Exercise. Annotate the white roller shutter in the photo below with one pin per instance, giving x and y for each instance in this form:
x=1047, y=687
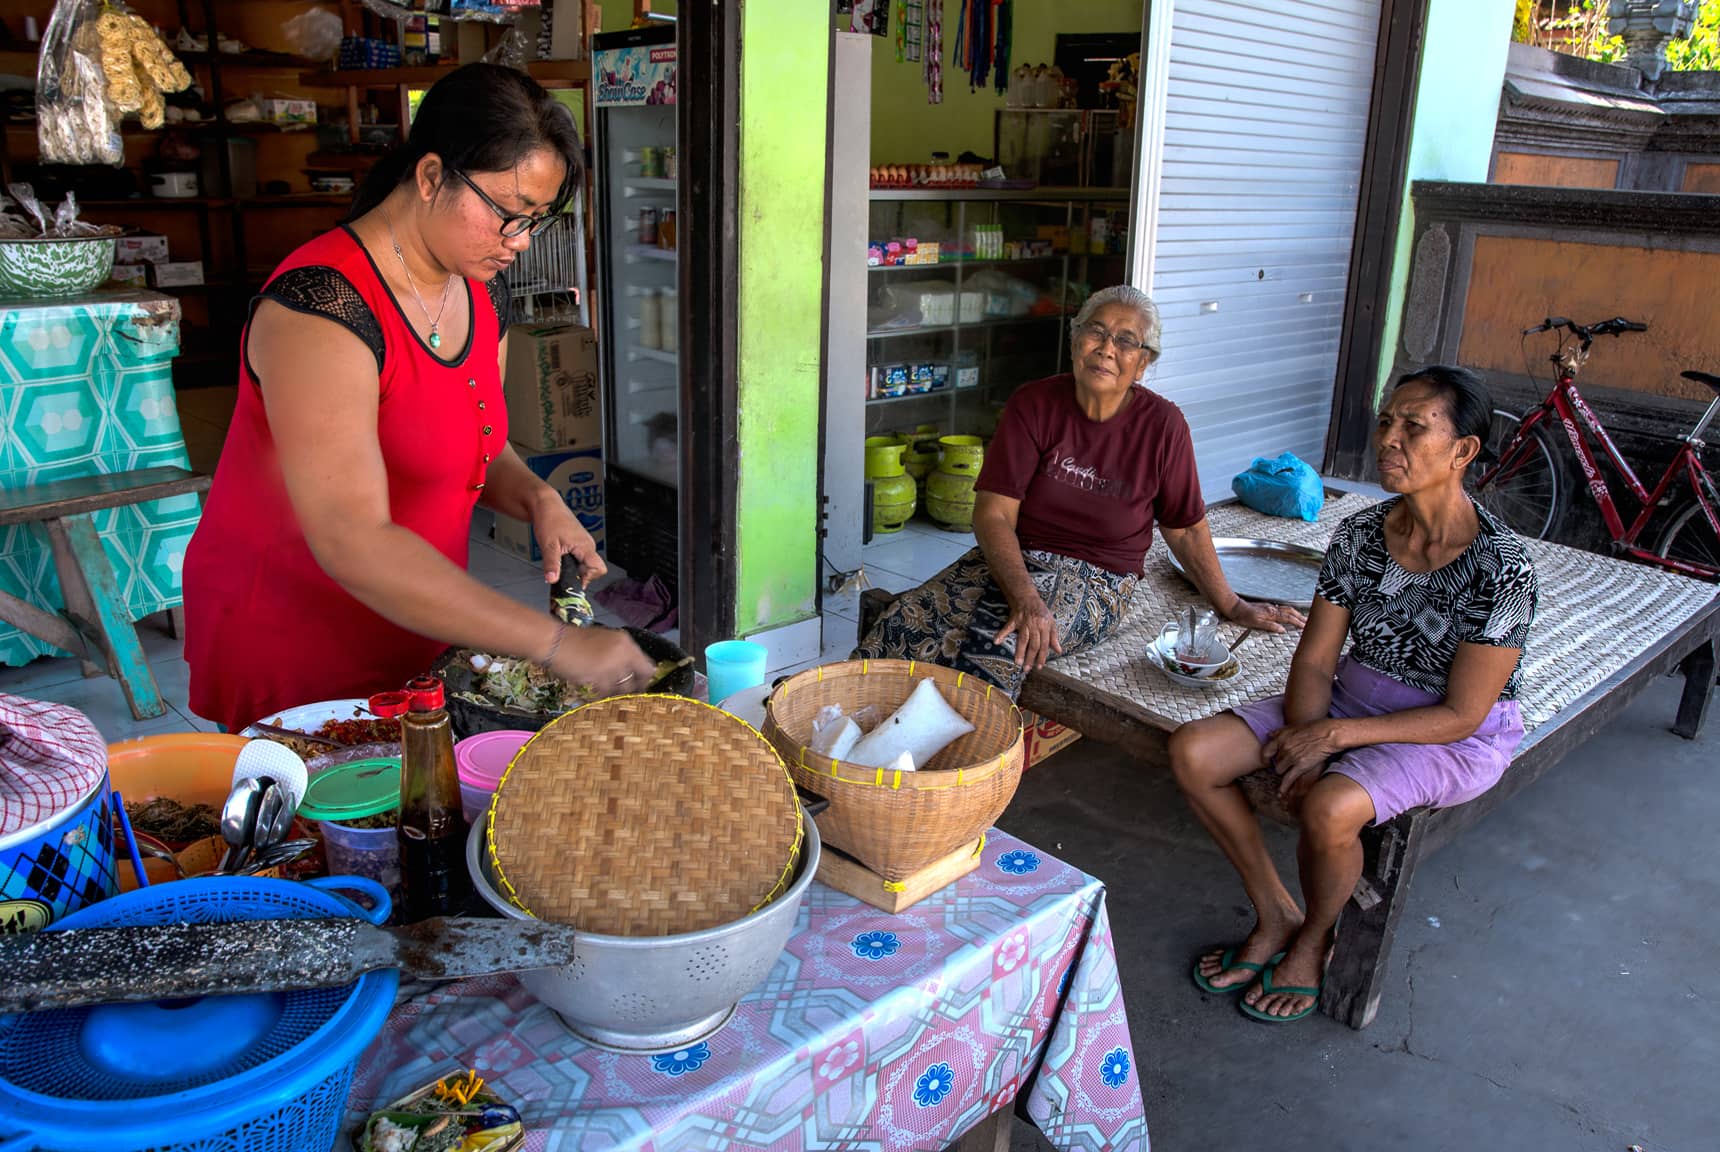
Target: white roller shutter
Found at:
x=1264, y=119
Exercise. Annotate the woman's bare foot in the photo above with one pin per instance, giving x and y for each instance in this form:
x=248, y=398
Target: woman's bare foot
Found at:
x=1271, y=935
x=1303, y=966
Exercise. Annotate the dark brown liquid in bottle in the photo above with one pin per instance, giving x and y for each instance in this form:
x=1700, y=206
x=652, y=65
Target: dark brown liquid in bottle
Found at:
x=432, y=828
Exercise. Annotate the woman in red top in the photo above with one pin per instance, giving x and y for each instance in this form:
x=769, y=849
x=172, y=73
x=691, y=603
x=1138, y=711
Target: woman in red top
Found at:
x=331, y=558
x=1080, y=469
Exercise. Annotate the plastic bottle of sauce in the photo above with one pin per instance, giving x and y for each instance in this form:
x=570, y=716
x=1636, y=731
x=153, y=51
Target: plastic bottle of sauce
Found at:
x=432, y=828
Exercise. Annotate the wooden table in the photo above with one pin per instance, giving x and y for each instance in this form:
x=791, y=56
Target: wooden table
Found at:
x=86, y=385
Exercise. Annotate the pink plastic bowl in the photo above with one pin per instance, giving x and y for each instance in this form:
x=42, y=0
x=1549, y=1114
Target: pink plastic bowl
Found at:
x=481, y=760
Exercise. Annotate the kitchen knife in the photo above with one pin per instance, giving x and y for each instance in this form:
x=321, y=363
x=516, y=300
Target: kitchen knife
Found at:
x=76, y=966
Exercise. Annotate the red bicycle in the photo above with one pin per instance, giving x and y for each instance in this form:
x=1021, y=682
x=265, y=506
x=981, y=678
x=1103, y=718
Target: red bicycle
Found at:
x=1526, y=488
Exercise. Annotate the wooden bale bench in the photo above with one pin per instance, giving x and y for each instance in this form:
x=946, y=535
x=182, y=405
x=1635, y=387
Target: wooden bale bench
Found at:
x=95, y=625
x=1604, y=631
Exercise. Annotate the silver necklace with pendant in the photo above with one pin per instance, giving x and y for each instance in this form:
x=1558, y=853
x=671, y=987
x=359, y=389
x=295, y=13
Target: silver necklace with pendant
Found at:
x=436, y=320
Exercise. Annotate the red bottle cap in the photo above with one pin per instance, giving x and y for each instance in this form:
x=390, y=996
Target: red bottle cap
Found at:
x=426, y=693
x=390, y=705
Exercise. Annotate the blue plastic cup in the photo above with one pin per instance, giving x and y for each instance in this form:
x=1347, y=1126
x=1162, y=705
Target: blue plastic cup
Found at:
x=732, y=666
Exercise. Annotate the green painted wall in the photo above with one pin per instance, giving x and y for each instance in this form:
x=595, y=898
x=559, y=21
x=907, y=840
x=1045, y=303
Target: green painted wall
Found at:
x=906, y=130
x=1456, y=109
x=784, y=95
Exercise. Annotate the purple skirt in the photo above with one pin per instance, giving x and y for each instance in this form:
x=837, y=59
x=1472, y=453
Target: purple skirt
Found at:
x=1398, y=777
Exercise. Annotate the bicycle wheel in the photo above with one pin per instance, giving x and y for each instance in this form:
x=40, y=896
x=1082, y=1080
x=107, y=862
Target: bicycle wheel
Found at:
x=1530, y=499
x=1689, y=537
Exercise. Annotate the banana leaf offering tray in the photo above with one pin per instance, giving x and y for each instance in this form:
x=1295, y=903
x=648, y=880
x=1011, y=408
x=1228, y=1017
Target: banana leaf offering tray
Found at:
x=454, y=1114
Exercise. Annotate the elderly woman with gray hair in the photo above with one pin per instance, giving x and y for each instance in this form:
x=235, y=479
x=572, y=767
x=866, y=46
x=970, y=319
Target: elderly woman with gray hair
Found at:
x=1081, y=468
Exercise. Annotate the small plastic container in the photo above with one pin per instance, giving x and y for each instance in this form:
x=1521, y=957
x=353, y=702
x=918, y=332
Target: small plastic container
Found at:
x=480, y=760
x=356, y=791
x=733, y=665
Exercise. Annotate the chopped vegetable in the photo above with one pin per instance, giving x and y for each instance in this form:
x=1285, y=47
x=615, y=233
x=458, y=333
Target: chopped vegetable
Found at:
x=173, y=822
x=522, y=686
x=525, y=687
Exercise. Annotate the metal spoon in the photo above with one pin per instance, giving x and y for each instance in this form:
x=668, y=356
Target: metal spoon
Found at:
x=279, y=854
x=239, y=820
x=273, y=817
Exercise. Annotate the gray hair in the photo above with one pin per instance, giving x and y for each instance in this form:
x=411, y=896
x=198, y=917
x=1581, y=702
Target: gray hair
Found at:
x=1134, y=298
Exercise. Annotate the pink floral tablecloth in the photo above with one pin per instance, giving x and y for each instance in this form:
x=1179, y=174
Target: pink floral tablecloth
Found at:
x=872, y=1032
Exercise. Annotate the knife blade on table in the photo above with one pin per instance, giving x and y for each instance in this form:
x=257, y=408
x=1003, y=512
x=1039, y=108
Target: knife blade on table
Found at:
x=78, y=966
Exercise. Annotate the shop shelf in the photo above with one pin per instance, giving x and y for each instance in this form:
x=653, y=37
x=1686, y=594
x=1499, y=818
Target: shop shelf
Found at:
x=928, y=329
x=652, y=184
x=155, y=203
x=1047, y=195
x=566, y=71
x=353, y=161
x=935, y=394
x=640, y=353
x=966, y=263
x=649, y=252
x=249, y=59
x=298, y=200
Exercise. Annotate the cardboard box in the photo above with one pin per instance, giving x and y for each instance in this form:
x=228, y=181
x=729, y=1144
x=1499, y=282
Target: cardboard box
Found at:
x=280, y=110
x=1041, y=737
x=578, y=476
x=551, y=387
x=129, y=275
x=177, y=274
x=140, y=250
x=567, y=31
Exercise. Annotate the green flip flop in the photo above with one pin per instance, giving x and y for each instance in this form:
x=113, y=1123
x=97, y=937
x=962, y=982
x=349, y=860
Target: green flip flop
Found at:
x=1229, y=961
x=1266, y=986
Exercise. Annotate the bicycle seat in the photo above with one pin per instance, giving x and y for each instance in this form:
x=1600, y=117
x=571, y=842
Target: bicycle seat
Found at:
x=1703, y=378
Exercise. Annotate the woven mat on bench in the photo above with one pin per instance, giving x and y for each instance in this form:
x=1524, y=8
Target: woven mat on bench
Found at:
x=1596, y=615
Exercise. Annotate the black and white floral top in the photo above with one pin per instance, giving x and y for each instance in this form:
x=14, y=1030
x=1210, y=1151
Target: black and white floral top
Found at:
x=1408, y=625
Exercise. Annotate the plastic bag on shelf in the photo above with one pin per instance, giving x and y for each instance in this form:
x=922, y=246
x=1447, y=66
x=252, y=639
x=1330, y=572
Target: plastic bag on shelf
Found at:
x=99, y=61
x=314, y=34
x=1005, y=295
x=76, y=122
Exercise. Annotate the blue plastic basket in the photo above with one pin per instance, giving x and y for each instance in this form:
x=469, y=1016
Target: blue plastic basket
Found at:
x=256, y=1073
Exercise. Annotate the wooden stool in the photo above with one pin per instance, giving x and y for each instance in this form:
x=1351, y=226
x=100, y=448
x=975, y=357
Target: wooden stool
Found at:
x=95, y=624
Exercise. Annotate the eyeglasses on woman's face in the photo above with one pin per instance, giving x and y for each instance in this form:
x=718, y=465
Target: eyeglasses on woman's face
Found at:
x=1094, y=335
x=513, y=223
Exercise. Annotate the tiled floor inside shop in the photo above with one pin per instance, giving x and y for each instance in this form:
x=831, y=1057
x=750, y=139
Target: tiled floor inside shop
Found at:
x=896, y=562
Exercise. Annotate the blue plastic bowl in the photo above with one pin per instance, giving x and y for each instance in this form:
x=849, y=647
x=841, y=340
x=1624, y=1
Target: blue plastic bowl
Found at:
x=267, y=1072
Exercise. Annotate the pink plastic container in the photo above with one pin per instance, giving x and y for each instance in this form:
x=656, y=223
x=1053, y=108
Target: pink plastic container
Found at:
x=480, y=761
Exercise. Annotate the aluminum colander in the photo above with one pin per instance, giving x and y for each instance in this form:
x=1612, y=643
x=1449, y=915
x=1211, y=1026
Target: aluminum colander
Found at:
x=649, y=994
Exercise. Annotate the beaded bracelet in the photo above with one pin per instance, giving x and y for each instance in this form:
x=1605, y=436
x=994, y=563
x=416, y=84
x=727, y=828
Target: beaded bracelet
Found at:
x=554, y=647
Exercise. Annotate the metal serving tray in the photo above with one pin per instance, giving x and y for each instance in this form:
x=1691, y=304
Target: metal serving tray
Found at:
x=1266, y=569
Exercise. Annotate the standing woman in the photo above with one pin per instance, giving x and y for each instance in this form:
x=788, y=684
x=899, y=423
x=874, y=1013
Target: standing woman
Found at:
x=331, y=558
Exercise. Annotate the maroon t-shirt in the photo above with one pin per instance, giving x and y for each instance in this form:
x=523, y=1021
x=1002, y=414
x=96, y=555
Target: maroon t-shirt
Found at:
x=1087, y=489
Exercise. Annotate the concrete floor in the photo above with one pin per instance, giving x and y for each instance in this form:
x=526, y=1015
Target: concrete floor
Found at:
x=1551, y=986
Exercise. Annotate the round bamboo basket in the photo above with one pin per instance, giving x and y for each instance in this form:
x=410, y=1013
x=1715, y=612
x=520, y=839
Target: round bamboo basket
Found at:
x=645, y=816
x=896, y=823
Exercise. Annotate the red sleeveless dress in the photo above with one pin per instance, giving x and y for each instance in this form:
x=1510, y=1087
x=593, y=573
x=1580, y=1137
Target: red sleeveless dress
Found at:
x=265, y=628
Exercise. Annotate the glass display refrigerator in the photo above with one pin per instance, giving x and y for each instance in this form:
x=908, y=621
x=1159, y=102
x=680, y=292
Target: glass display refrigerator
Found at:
x=636, y=179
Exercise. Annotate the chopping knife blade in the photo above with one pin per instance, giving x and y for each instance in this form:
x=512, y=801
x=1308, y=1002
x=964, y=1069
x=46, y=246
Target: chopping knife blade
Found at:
x=77, y=966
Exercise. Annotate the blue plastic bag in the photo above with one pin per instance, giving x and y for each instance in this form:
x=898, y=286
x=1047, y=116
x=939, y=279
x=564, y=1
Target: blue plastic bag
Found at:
x=1286, y=486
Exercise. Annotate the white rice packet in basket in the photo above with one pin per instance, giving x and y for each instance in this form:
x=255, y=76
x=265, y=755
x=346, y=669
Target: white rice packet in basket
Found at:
x=922, y=727
x=833, y=734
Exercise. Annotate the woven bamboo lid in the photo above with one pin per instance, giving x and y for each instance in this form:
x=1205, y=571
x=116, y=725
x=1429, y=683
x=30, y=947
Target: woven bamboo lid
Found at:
x=645, y=816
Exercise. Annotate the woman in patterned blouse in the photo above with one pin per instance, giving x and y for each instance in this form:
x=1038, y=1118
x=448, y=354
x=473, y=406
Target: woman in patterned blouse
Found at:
x=1436, y=598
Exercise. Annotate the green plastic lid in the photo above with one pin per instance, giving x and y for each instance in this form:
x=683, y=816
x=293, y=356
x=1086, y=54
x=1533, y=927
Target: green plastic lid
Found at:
x=353, y=791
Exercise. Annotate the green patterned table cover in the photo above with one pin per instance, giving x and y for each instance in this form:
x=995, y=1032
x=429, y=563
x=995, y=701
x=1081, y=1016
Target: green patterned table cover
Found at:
x=86, y=387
